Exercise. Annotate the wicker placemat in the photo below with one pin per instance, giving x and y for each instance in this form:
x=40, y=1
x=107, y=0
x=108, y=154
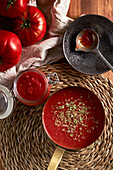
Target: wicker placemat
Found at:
x=25, y=146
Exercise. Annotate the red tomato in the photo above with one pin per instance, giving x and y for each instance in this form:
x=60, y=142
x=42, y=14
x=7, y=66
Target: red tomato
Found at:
x=30, y=26
x=10, y=50
x=12, y=8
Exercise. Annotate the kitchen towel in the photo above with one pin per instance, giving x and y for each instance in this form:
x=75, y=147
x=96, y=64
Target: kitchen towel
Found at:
x=48, y=50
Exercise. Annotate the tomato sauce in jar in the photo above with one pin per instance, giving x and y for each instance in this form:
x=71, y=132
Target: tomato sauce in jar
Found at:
x=31, y=87
x=73, y=118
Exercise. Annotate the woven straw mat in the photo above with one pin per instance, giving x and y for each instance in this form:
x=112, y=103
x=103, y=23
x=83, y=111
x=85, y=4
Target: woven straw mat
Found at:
x=24, y=144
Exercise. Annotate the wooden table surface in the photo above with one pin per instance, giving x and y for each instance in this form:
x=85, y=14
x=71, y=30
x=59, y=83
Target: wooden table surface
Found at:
x=100, y=7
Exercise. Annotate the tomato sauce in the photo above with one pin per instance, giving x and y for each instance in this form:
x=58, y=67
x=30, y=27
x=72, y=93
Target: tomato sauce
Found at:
x=73, y=118
x=87, y=38
x=32, y=85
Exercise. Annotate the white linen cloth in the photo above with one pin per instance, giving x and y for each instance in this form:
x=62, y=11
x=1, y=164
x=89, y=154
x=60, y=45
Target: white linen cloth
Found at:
x=49, y=50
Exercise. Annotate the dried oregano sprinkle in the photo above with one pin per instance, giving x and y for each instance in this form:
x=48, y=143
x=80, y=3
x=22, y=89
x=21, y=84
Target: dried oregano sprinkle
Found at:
x=70, y=114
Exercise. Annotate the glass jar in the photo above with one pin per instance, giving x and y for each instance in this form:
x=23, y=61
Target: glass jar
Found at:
x=6, y=102
x=32, y=86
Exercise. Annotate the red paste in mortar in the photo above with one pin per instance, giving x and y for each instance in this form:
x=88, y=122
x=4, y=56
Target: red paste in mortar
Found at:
x=73, y=117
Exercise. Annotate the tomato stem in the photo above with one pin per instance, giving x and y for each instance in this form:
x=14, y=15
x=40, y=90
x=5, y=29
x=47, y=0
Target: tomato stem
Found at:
x=9, y=3
x=26, y=23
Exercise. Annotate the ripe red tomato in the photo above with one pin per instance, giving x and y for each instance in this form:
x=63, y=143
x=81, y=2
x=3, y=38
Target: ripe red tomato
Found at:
x=10, y=50
x=12, y=8
x=30, y=26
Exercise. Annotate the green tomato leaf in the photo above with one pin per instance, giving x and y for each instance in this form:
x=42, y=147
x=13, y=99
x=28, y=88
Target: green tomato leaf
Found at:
x=8, y=6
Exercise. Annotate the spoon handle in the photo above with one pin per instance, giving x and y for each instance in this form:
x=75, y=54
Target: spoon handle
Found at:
x=97, y=51
x=56, y=158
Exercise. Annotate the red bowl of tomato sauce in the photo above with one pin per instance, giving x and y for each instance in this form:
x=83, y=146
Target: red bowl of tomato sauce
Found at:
x=31, y=87
x=73, y=118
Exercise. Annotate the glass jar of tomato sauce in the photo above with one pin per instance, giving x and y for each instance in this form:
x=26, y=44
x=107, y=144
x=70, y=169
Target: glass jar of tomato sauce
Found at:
x=32, y=86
